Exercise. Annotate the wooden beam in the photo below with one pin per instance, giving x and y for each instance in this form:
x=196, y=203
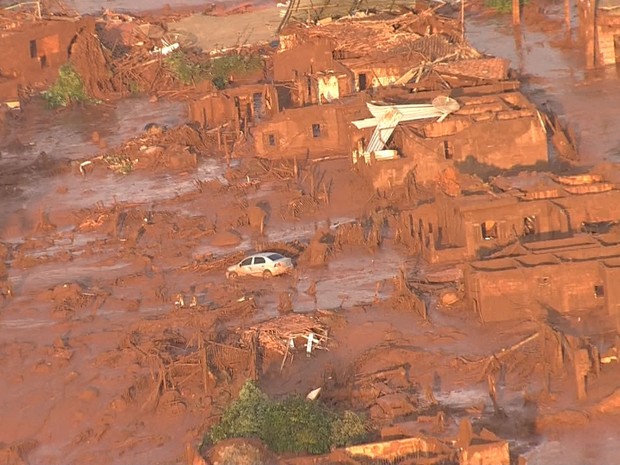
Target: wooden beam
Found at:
x=516, y=12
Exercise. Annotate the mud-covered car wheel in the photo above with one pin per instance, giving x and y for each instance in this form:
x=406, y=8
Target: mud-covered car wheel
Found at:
x=267, y=274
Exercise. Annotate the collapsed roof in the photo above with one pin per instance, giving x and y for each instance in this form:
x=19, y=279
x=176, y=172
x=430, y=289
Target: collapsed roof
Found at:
x=311, y=11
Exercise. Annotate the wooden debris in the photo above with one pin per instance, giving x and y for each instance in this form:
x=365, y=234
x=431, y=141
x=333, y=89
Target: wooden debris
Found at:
x=276, y=334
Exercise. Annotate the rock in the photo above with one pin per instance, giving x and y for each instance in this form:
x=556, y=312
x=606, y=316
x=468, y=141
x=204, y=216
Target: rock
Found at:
x=90, y=393
x=610, y=404
x=449, y=298
x=72, y=376
x=393, y=405
x=566, y=418
x=241, y=452
x=154, y=128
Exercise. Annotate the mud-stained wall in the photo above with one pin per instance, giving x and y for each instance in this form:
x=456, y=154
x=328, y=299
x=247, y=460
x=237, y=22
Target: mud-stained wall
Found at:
x=373, y=75
x=500, y=144
x=591, y=208
x=241, y=106
x=323, y=87
x=308, y=131
x=492, y=144
x=390, y=173
x=506, y=289
x=608, y=34
x=301, y=60
x=34, y=55
x=610, y=270
x=487, y=229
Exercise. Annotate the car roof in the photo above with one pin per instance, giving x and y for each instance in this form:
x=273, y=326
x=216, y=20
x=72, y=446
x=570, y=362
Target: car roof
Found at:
x=263, y=254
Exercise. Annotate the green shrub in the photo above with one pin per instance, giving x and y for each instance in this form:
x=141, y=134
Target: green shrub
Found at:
x=292, y=425
x=348, y=430
x=217, y=70
x=222, y=68
x=67, y=89
x=299, y=426
x=119, y=163
x=245, y=417
x=184, y=69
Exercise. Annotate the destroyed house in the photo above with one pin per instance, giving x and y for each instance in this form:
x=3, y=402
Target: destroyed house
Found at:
x=489, y=132
x=608, y=32
x=239, y=108
x=474, y=226
x=338, y=58
x=33, y=51
x=572, y=275
x=308, y=131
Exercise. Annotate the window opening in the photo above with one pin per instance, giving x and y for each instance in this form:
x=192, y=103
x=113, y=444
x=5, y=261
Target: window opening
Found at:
x=448, y=152
x=489, y=230
x=529, y=225
x=363, y=84
x=316, y=130
x=33, y=49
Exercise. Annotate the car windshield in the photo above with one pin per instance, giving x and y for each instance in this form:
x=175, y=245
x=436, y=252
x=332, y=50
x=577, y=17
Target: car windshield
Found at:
x=275, y=256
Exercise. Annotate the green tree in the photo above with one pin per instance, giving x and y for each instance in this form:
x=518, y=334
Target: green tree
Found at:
x=293, y=424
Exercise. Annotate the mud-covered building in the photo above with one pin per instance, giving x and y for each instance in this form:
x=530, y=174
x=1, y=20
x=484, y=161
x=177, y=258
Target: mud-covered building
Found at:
x=573, y=275
x=491, y=132
x=309, y=131
x=238, y=108
x=608, y=32
x=350, y=55
x=33, y=51
x=523, y=209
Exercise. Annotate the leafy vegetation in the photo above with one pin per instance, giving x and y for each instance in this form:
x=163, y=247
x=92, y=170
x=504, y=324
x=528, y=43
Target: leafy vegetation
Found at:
x=502, y=6
x=184, y=69
x=217, y=70
x=222, y=68
x=118, y=163
x=348, y=430
x=67, y=89
x=292, y=425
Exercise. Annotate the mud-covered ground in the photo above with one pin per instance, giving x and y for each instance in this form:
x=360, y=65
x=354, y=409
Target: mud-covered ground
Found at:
x=111, y=280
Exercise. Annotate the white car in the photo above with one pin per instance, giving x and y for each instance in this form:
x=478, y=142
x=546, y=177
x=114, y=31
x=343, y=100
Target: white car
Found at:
x=266, y=264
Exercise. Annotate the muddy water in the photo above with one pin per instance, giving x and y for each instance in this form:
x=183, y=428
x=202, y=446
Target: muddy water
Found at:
x=68, y=134
x=93, y=6
x=554, y=75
